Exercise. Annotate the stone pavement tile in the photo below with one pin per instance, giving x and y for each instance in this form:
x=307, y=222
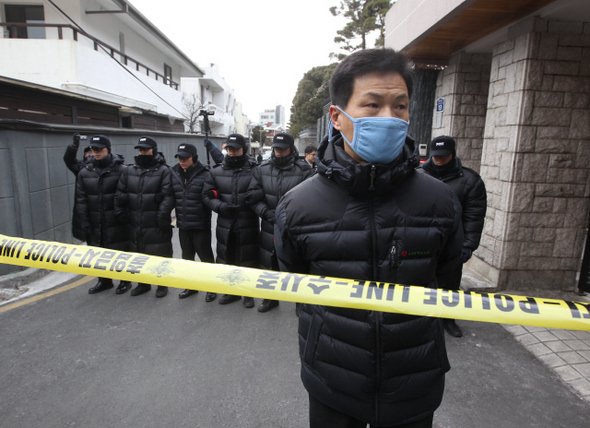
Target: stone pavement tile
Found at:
x=583, y=368
x=567, y=373
x=577, y=345
x=533, y=329
x=572, y=357
x=585, y=354
x=557, y=346
x=563, y=334
x=582, y=335
x=545, y=336
x=552, y=360
x=582, y=386
x=539, y=349
x=516, y=330
x=527, y=339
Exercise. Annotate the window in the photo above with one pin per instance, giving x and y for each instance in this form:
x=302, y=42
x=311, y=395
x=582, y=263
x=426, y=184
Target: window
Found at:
x=27, y=15
x=167, y=75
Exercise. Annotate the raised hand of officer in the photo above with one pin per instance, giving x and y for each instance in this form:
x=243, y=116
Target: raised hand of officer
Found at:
x=76, y=140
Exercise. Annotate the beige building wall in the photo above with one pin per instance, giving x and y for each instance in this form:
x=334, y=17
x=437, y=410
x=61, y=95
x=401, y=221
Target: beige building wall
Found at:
x=464, y=86
x=536, y=156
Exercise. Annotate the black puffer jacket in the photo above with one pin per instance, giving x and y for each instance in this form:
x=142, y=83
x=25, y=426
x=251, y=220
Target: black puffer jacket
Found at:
x=272, y=179
x=471, y=191
x=145, y=196
x=94, y=210
x=381, y=223
x=226, y=186
x=191, y=212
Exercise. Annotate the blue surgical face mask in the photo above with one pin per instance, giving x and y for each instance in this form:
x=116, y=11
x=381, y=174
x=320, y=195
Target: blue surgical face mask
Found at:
x=377, y=139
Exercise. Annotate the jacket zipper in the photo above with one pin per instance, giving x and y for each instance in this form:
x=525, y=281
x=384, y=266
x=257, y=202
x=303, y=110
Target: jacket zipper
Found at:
x=372, y=186
x=377, y=316
x=236, y=179
x=279, y=187
x=139, y=206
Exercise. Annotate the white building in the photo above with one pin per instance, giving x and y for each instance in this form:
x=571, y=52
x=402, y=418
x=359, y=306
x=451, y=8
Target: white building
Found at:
x=79, y=66
x=273, y=118
x=216, y=96
x=104, y=49
x=243, y=125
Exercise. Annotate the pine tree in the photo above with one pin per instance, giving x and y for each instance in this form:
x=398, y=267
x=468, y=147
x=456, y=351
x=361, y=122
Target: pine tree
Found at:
x=309, y=99
x=364, y=17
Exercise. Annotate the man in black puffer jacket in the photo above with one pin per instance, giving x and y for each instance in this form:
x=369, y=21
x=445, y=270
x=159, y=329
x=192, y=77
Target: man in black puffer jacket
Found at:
x=75, y=165
x=270, y=181
x=444, y=165
x=145, y=196
x=237, y=225
x=193, y=217
x=367, y=215
x=94, y=210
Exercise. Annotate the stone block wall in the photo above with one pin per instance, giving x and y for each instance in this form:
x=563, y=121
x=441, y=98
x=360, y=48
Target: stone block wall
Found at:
x=37, y=190
x=536, y=155
x=464, y=85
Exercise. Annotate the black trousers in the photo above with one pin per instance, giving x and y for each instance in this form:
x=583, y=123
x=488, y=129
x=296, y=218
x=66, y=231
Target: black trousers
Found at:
x=322, y=416
x=196, y=241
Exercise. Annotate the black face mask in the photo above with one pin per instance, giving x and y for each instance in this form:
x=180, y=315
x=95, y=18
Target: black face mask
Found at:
x=235, y=161
x=106, y=161
x=442, y=170
x=282, y=161
x=144, y=161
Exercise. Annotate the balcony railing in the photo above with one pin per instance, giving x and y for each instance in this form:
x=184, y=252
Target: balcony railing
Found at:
x=125, y=59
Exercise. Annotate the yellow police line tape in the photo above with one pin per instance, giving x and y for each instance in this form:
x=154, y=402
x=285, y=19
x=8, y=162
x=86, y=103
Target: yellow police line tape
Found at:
x=226, y=279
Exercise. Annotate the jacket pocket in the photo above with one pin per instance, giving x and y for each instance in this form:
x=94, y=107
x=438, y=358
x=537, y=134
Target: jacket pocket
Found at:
x=313, y=337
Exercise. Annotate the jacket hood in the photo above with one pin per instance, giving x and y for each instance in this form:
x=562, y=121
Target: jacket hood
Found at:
x=364, y=180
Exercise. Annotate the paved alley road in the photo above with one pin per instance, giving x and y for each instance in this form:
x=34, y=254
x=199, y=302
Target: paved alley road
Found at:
x=104, y=360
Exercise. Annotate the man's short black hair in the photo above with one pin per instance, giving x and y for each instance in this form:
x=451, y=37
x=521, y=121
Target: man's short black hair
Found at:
x=310, y=149
x=365, y=62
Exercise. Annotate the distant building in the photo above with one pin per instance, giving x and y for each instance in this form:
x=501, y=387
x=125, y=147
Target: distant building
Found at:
x=273, y=118
x=243, y=125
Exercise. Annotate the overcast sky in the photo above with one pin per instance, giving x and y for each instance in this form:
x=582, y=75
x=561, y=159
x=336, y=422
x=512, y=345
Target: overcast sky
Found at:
x=262, y=47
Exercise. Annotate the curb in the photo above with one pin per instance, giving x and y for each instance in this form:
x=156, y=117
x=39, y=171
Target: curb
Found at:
x=18, y=279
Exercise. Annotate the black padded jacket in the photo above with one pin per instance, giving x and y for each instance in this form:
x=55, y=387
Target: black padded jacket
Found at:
x=225, y=192
x=274, y=178
x=94, y=210
x=145, y=197
x=471, y=192
x=371, y=222
x=191, y=211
